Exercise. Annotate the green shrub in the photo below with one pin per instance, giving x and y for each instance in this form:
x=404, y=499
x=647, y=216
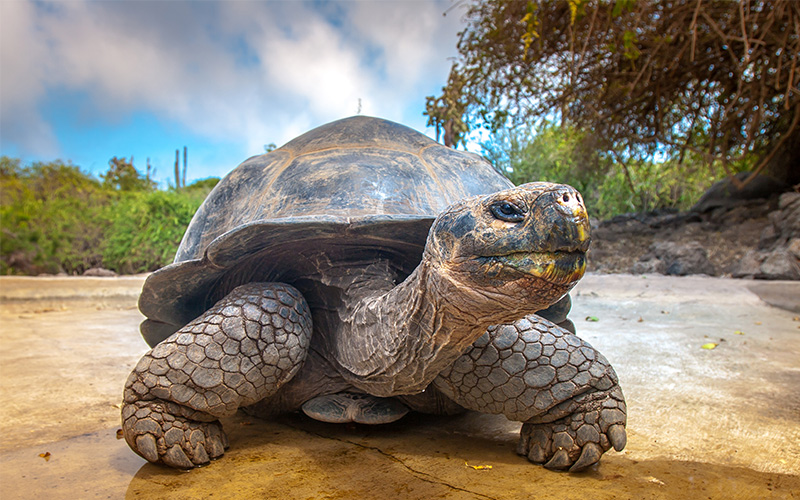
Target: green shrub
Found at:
x=52, y=218
x=56, y=218
x=146, y=228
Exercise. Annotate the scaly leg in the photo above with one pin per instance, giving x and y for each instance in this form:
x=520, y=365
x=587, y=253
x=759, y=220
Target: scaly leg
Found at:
x=237, y=353
x=563, y=390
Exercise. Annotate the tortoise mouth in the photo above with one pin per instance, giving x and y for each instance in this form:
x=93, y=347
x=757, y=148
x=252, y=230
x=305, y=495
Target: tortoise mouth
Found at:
x=558, y=267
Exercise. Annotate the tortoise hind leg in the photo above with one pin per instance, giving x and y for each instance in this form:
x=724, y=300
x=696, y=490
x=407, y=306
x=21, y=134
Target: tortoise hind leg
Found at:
x=240, y=351
x=564, y=391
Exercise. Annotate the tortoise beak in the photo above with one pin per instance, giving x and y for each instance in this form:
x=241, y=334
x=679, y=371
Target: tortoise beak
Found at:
x=559, y=222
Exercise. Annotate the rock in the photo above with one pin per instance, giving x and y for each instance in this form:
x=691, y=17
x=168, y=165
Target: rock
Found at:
x=726, y=195
x=649, y=266
x=794, y=247
x=99, y=272
x=749, y=266
x=746, y=210
x=683, y=259
x=769, y=237
x=780, y=265
x=665, y=219
x=787, y=220
x=622, y=224
x=789, y=200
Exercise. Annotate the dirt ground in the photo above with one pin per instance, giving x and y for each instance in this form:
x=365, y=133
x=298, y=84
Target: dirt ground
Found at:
x=721, y=423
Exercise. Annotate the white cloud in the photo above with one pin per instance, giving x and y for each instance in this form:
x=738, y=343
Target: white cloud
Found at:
x=317, y=67
x=408, y=33
x=251, y=72
x=22, y=78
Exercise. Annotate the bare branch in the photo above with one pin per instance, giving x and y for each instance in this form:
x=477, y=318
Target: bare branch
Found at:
x=693, y=29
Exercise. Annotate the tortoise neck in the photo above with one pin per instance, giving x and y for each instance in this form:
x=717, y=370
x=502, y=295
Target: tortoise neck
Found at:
x=396, y=339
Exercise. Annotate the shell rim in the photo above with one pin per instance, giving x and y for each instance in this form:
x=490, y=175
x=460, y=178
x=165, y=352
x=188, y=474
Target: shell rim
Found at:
x=176, y=288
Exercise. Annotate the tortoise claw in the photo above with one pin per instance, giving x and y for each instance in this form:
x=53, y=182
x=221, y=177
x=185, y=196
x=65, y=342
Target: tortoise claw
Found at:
x=590, y=455
x=536, y=454
x=175, y=457
x=146, y=445
x=215, y=447
x=559, y=461
x=200, y=454
x=616, y=434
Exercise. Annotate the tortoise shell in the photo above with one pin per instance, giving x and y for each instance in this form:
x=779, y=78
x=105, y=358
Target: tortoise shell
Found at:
x=344, y=192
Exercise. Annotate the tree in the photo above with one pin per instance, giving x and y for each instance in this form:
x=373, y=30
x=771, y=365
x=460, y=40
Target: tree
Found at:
x=123, y=176
x=716, y=80
x=446, y=112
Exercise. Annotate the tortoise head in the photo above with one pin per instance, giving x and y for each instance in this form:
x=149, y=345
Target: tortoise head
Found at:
x=525, y=246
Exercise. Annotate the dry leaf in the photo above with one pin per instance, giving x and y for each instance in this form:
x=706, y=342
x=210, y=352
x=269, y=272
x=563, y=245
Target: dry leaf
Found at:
x=640, y=320
x=478, y=467
x=45, y=455
x=592, y=318
x=120, y=435
x=709, y=345
x=651, y=479
x=738, y=332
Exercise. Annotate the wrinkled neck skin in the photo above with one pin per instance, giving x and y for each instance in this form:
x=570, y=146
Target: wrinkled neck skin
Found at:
x=396, y=340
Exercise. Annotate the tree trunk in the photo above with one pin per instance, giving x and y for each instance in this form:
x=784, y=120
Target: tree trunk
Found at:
x=785, y=165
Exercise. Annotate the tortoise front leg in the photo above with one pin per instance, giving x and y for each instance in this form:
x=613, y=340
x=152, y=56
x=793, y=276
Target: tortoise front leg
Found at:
x=564, y=391
x=237, y=353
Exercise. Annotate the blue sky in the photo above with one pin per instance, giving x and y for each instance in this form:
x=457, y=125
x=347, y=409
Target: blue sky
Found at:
x=85, y=81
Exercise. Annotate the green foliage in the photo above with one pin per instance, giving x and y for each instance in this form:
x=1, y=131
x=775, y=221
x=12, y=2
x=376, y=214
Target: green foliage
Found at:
x=547, y=154
x=52, y=217
x=145, y=228
x=609, y=187
x=205, y=185
x=56, y=218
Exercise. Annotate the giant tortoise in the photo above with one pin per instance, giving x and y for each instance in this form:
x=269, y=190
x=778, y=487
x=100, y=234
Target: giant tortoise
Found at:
x=362, y=271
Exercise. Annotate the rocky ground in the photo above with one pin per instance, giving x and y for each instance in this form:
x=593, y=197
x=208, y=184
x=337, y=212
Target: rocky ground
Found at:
x=741, y=239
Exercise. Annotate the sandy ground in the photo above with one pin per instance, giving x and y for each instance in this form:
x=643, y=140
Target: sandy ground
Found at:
x=721, y=423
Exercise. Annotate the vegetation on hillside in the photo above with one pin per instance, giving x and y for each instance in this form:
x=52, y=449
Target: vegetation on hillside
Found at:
x=56, y=218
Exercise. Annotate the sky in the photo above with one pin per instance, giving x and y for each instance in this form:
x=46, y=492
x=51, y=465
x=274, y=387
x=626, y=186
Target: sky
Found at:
x=84, y=81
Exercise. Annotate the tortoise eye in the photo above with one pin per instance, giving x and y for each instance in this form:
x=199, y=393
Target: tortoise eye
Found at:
x=506, y=211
